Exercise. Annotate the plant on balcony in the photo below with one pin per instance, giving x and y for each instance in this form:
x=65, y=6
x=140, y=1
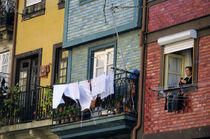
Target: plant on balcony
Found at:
x=9, y=107
x=47, y=101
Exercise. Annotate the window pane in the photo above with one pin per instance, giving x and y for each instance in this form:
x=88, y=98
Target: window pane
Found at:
x=65, y=64
x=175, y=65
x=61, y=65
x=99, y=71
x=65, y=54
x=173, y=80
x=100, y=61
x=64, y=72
x=110, y=58
x=109, y=70
x=61, y=73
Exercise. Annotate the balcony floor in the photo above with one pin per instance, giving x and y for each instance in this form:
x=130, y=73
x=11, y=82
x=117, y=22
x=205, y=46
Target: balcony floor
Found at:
x=99, y=127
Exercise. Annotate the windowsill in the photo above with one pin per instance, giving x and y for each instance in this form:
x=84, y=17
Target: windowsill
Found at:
x=33, y=11
x=185, y=88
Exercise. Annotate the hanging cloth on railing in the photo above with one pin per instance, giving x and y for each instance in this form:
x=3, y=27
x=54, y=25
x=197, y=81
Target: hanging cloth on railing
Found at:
x=85, y=97
x=109, y=86
x=57, y=94
x=72, y=91
x=98, y=85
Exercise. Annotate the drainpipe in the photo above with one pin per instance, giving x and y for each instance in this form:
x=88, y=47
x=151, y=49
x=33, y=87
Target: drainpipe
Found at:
x=14, y=43
x=141, y=75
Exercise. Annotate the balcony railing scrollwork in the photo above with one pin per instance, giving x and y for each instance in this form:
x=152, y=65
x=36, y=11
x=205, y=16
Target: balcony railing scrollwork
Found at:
x=21, y=107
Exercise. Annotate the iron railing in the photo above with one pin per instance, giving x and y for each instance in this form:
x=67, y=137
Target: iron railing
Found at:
x=21, y=107
x=7, y=19
x=124, y=100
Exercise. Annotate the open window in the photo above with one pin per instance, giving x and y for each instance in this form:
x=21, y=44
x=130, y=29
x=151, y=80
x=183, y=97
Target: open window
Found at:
x=179, y=52
x=100, y=59
x=103, y=61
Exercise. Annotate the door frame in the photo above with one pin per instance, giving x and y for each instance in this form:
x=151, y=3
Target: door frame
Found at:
x=23, y=56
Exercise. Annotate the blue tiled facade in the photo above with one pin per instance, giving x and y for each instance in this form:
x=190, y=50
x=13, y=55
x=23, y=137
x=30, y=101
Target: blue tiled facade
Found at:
x=92, y=21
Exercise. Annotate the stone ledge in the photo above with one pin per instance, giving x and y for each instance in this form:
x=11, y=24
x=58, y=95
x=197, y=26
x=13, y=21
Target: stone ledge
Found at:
x=24, y=126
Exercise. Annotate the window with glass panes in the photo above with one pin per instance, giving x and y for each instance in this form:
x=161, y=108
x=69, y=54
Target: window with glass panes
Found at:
x=103, y=61
x=61, y=66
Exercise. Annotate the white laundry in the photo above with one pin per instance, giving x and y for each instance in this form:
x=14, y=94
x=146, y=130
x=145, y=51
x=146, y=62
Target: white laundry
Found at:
x=109, y=86
x=58, y=91
x=98, y=85
x=85, y=97
x=72, y=91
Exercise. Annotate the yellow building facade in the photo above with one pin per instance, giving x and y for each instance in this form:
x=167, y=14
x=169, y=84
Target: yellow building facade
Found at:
x=38, y=36
x=40, y=32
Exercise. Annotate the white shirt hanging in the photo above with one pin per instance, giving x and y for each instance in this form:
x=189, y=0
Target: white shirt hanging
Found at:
x=98, y=85
x=57, y=94
x=72, y=91
x=85, y=97
x=109, y=86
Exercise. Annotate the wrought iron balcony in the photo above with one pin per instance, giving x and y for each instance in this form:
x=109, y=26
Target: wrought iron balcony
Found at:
x=21, y=107
x=7, y=19
x=123, y=101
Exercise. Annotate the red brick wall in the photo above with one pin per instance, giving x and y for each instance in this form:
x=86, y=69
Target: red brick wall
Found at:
x=172, y=12
x=197, y=114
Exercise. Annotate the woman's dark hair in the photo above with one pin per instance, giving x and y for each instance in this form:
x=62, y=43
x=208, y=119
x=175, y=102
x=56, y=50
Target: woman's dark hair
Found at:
x=189, y=67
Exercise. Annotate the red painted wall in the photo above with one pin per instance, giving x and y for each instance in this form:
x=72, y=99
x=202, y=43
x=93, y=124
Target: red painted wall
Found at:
x=197, y=113
x=173, y=12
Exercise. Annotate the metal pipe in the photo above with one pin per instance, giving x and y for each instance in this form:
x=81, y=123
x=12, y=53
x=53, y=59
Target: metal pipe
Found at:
x=14, y=42
x=141, y=75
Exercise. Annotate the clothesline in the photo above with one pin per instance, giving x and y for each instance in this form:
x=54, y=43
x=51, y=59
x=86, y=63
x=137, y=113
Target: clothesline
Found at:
x=84, y=91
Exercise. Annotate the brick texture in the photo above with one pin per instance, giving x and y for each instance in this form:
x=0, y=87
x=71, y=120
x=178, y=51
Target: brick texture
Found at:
x=197, y=113
x=173, y=12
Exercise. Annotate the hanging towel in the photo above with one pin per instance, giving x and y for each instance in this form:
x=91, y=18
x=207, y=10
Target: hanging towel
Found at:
x=72, y=91
x=109, y=86
x=57, y=94
x=98, y=85
x=85, y=97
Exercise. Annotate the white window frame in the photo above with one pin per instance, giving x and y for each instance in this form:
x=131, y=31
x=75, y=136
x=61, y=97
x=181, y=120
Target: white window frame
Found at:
x=105, y=53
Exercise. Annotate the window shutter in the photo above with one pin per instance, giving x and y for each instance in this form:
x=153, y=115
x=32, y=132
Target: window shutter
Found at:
x=32, y=2
x=178, y=46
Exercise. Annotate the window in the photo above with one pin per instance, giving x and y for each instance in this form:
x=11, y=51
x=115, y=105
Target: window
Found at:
x=61, y=66
x=179, y=52
x=100, y=59
x=33, y=8
x=61, y=4
x=4, y=67
x=4, y=62
x=175, y=64
x=103, y=61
